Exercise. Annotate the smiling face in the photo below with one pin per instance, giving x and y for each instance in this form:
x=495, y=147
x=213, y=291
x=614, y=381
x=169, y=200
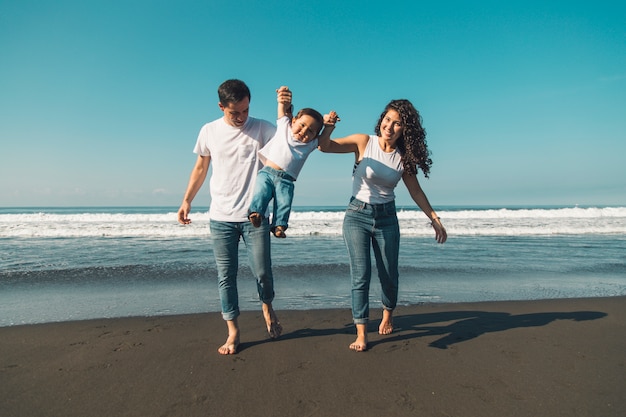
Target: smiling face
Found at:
x=305, y=128
x=391, y=126
x=236, y=114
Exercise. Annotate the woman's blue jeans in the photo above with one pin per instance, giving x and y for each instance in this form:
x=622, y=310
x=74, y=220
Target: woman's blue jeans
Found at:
x=225, y=237
x=273, y=184
x=367, y=227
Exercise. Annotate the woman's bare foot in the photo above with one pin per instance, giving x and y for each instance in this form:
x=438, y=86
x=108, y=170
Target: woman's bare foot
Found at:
x=386, y=324
x=230, y=347
x=255, y=219
x=232, y=343
x=360, y=344
x=271, y=321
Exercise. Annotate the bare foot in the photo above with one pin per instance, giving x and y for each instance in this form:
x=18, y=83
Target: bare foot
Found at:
x=232, y=343
x=229, y=348
x=386, y=324
x=279, y=232
x=360, y=344
x=271, y=321
x=255, y=219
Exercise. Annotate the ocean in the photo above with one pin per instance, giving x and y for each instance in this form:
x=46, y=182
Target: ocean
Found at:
x=60, y=264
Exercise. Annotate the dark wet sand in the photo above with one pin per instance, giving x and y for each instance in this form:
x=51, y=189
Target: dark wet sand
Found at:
x=501, y=359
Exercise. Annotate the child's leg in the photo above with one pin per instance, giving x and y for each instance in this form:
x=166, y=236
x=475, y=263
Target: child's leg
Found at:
x=283, y=199
x=263, y=193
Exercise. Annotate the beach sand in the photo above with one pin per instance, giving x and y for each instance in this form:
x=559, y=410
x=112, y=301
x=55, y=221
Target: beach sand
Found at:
x=531, y=358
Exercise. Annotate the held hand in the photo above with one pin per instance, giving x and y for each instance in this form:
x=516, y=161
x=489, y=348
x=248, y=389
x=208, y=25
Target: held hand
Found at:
x=183, y=214
x=331, y=118
x=440, y=232
x=283, y=95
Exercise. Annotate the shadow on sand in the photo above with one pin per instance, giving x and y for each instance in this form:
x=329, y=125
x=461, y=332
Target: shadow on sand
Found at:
x=459, y=326
x=453, y=326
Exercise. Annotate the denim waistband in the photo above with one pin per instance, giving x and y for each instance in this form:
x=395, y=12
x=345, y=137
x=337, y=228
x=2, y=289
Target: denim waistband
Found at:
x=391, y=205
x=278, y=172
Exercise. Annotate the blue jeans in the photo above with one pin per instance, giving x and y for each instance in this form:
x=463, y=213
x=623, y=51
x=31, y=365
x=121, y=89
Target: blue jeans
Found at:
x=273, y=184
x=225, y=237
x=367, y=227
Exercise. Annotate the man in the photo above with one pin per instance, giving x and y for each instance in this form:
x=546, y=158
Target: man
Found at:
x=231, y=143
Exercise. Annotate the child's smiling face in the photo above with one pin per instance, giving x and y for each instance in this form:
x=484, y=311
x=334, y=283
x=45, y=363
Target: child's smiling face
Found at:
x=305, y=128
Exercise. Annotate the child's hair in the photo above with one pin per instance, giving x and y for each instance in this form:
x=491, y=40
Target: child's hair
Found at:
x=233, y=91
x=314, y=114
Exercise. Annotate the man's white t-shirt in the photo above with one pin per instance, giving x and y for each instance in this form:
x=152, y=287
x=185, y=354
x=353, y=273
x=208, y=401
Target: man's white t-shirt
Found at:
x=235, y=164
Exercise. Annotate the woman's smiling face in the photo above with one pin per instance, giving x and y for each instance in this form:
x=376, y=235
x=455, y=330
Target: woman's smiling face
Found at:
x=391, y=126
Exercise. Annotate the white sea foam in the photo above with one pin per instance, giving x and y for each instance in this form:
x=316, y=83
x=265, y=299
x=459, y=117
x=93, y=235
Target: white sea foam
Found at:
x=471, y=222
x=55, y=264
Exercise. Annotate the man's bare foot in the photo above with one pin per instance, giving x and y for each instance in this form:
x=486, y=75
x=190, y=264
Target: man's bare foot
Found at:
x=271, y=321
x=360, y=344
x=255, y=219
x=232, y=343
x=386, y=324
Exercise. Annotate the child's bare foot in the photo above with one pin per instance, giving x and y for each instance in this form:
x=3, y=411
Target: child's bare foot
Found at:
x=279, y=231
x=386, y=324
x=274, y=327
x=255, y=219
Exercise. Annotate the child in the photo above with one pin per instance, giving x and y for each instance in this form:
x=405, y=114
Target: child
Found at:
x=283, y=158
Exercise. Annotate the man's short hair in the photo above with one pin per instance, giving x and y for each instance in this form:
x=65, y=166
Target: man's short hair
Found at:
x=232, y=91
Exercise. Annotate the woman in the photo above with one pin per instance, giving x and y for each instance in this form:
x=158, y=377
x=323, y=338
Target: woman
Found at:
x=396, y=151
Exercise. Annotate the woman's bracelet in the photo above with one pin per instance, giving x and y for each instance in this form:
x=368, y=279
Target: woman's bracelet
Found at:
x=432, y=221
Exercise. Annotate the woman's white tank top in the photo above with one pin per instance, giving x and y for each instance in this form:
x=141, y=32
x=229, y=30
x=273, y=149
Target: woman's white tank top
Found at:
x=377, y=175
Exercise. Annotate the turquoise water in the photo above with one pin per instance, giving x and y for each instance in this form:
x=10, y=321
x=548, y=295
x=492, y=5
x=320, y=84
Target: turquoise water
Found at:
x=75, y=263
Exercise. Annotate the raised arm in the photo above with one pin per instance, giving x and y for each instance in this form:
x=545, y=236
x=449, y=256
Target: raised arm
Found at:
x=350, y=144
x=323, y=140
x=283, y=96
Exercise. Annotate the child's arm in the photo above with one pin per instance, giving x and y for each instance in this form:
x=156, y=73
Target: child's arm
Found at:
x=283, y=96
x=324, y=143
x=350, y=144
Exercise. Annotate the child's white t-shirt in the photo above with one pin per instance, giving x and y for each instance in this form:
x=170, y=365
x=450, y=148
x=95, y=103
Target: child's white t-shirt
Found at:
x=285, y=151
x=234, y=164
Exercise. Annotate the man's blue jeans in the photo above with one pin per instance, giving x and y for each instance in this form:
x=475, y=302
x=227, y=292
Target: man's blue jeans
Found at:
x=273, y=184
x=225, y=237
x=367, y=227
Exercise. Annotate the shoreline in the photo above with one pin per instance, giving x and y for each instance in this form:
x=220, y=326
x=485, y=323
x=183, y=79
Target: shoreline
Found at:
x=557, y=357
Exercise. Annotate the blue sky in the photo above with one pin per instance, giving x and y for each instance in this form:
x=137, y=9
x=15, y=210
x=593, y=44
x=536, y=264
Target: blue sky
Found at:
x=524, y=102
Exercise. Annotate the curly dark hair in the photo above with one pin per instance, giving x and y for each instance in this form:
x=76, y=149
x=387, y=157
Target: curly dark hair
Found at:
x=412, y=143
